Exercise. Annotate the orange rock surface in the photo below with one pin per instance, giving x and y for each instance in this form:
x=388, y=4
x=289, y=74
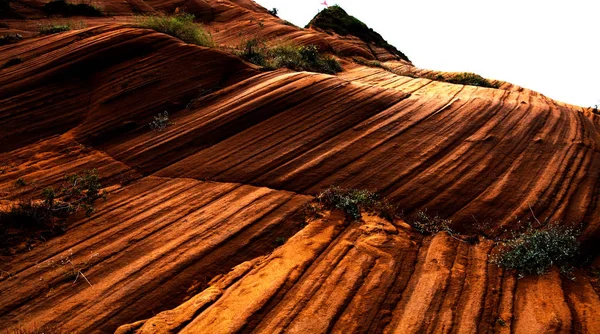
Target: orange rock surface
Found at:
x=190, y=237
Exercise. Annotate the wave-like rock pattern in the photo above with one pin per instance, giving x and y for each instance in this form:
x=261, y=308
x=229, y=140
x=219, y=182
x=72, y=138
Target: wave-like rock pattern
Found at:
x=374, y=277
x=87, y=77
x=146, y=248
x=458, y=150
x=220, y=188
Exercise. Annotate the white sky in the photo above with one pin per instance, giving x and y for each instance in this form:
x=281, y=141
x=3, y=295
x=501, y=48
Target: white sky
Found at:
x=546, y=45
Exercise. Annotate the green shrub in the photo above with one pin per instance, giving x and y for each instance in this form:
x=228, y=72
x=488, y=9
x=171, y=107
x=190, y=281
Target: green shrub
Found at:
x=274, y=11
x=353, y=201
x=298, y=58
x=254, y=51
x=64, y=8
x=427, y=224
x=53, y=28
x=78, y=192
x=471, y=79
x=181, y=26
x=536, y=250
x=335, y=19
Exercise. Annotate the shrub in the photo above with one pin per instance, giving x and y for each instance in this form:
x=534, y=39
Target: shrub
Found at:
x=536, y=250
x=471, y=79
x=273, y=11
x=64, y=8
x=353, y=201
x=298, y=58
x=427, y=224
x=254, y=51
x=77, y=192
x=10, y=39
x=20, y=182
x=12, y=62
x=280, y=241
x=181, y=26
x=335, y=19
x=160, y=122
x=595, y=110
x=53, y=28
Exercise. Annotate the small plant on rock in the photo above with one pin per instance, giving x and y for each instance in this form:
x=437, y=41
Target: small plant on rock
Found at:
x=20, y=182
x=353, y=201
x=471, y=79
x=160, y=122
x=536, y=250
x=54, y=28
x=280, y=241
x=46, y=216
x=77, y=192
x=427, y=224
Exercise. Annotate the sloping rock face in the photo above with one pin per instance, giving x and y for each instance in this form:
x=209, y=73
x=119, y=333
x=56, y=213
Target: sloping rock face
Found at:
x=200, y=231
x=375, y=277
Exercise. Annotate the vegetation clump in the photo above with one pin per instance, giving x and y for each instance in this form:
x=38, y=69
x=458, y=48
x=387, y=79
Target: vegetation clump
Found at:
x=20, y=182
x=64, y=8
x=298, y=58
x=427, y=224
x=335, y=19
x=53, y=28
x=353, y=201
x=464, y=78
x=471, y=79
x=181, y=26
x=273, y=11
x=536, y=250
x=10, y=39
x=160, y=122
x=47, y=214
